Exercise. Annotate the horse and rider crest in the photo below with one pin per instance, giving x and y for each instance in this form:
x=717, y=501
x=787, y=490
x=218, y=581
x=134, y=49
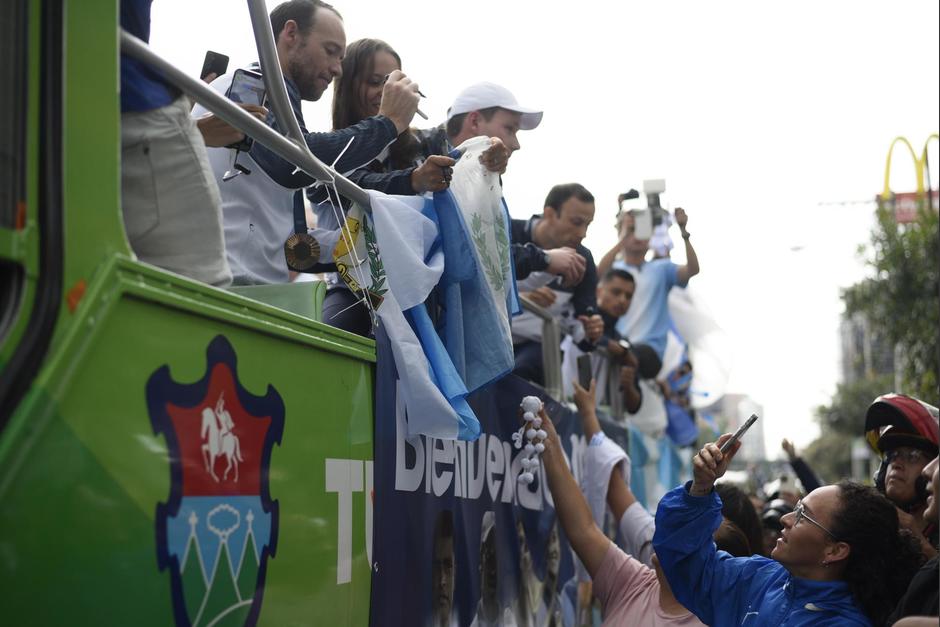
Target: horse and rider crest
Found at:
x=218, y=527
x=219, y=439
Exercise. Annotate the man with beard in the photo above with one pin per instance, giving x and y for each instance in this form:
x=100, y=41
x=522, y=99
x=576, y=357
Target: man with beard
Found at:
x=258, y=205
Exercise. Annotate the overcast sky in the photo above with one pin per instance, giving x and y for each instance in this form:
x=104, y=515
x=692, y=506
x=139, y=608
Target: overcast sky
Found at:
x=758, y=115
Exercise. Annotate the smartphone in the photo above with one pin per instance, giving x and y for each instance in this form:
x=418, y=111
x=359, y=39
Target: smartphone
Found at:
x=247, y=88
x=737, y=434
x=584, y=371
x=214, y=63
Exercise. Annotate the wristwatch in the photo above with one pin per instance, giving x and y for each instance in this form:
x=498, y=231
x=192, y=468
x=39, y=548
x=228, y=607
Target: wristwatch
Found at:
x=686, y=235
x=546, y=258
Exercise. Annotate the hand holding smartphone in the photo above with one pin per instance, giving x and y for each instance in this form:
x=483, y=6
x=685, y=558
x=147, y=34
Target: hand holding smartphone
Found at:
x=584, y=371
x=737, y=434
x=214, y=63
x=247, y=88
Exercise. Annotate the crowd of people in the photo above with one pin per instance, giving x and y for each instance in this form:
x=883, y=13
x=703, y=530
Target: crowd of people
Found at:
x=836, y=554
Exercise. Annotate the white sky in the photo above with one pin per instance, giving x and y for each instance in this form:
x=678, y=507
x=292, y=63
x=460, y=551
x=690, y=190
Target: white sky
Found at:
x=753, y=112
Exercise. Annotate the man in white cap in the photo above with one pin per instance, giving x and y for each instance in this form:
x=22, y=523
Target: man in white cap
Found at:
x=482, y=109
x=492, y=110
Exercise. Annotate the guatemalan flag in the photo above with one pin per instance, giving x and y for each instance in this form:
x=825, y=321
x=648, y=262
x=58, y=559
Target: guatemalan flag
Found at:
x=456, y=244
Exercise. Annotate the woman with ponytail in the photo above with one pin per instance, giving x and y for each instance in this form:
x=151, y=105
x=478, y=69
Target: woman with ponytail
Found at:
x=401, y=169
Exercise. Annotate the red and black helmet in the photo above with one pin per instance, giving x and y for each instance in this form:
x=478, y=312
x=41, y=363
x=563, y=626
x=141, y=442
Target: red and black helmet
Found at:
x=895, y=420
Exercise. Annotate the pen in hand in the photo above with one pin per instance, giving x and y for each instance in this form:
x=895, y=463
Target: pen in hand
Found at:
x=418, y=111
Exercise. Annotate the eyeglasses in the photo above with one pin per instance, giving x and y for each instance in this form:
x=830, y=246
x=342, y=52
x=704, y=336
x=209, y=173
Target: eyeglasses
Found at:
x=800, y=514
x=911, y=455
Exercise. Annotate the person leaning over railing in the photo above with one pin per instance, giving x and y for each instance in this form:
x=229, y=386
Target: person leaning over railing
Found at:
x=258, y=206
x=490, y=110
x=614, y=293
x=357, y=96
x=841, y=559
x=568, y=212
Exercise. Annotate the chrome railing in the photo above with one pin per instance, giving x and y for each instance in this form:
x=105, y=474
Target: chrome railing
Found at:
x=614, y=396
x=551, y=337
x=292, y=148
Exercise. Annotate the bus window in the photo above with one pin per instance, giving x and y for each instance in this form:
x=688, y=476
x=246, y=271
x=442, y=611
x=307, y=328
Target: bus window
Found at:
x=13, y=30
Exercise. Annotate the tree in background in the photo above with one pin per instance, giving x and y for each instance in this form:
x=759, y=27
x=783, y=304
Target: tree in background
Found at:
x=902, y=300
x=901, y=304
x=840, y=422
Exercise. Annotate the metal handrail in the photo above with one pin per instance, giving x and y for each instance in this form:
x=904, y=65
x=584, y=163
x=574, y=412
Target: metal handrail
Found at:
x=271, y=72
x=551, y=336
x=614, y=396
x=298, y=154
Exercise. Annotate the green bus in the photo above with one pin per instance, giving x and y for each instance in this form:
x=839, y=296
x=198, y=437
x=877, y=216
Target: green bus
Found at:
x=178, y=454
x=120, y=383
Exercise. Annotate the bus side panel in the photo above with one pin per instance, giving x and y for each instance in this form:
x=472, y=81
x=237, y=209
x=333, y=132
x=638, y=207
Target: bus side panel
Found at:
x=110, y=513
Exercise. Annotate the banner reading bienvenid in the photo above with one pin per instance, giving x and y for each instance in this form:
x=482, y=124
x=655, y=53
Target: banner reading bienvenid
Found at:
x=457, y=539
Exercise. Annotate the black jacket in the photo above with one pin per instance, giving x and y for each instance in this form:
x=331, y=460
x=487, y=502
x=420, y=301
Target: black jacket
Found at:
x=921, y=598
x=584, y=294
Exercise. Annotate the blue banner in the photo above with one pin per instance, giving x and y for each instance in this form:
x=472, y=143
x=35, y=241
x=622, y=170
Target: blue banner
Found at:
x=457, y=539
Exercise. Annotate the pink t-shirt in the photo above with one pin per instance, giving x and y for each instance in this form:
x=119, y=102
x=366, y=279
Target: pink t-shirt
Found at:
x=629, y=592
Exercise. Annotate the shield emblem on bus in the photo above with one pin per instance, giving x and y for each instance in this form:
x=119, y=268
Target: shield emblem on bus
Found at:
x=218, y=528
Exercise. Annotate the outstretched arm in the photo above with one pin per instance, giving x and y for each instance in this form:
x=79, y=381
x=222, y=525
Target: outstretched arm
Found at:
x=586, y=539
x=691, y=268
x=703, y=580
x=607, y=260
x=636, y=525
x=619, y=496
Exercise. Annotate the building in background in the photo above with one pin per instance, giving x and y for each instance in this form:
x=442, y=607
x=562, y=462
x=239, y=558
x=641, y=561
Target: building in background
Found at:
x=864, y=353
x=730, y=412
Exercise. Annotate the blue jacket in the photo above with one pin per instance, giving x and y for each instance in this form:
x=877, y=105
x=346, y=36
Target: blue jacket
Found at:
x=749, y=591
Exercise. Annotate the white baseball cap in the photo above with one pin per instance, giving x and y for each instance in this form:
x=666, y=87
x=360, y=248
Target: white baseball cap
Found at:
x=486, y=95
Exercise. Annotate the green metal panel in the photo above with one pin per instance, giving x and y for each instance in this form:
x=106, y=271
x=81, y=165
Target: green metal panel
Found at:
x=303, y=298
x=91, y=142
x=86, y=472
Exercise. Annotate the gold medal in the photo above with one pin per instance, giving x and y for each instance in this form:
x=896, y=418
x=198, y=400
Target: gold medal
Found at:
x=302, y=251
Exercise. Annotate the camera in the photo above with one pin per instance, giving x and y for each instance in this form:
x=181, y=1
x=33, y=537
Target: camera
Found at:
x=630, y=195
x=653, y=188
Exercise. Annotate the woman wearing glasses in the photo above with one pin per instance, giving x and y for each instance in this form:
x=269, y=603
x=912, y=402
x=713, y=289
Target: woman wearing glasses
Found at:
x=839, y=561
